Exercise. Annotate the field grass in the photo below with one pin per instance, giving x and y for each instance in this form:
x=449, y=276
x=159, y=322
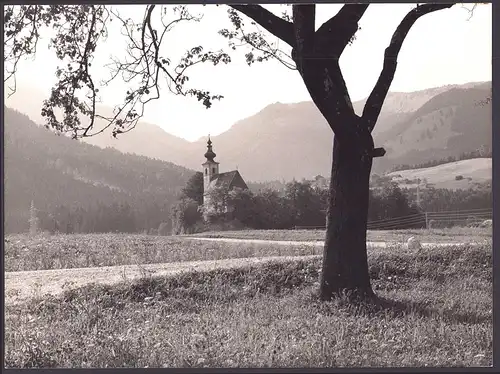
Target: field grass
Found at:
x=455, y=234
x=435, y=309
x=24, y=252
x=44, y=252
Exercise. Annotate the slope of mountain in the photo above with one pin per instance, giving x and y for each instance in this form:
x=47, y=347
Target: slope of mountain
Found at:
x=54, y=170
x=282, y=141
x=147, y=140
x=450, y=123
x=463, y=174
x=288, y=141
x=285, y=141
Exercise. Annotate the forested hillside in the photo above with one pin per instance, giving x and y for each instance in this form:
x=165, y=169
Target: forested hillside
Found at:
x=448, y=125
x=79, y=187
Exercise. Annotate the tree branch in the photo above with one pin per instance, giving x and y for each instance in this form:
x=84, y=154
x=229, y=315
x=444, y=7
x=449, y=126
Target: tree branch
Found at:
x=316, y=62
x=377, y=97
x=304, y=17
x=84, y=64
x=19, y=20
x=272, y=23
x=321, y=74
x=146, y=65
x=338, y=31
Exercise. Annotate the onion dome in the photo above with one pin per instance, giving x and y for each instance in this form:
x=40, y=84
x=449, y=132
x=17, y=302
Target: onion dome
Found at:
x=210, y=154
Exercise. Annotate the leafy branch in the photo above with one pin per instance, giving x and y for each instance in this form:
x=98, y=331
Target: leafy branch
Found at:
x=78, y=30
x=261, y=49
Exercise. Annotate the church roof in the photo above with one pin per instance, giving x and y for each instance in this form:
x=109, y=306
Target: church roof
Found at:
x=228, y=180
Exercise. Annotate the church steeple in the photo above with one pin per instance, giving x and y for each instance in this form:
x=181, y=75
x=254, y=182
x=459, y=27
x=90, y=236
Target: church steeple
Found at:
x=210, y=154
x=210, y=167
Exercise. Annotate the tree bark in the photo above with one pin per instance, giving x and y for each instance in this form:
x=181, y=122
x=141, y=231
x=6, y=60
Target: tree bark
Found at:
x=345, y=266
x=345, y=263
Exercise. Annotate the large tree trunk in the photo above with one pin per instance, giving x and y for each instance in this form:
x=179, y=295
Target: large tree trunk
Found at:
x=345, y=265
x=316, y=54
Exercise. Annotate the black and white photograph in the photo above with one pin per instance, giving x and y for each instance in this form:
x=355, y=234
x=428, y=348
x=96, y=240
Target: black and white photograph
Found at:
x=243, y=185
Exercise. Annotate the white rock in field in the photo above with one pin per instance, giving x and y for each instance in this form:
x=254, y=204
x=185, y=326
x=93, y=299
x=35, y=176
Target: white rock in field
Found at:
x=487, y=223
x=413, y=244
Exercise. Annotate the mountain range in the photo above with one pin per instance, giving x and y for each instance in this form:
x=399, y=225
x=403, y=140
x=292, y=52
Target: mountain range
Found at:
x=286, y=141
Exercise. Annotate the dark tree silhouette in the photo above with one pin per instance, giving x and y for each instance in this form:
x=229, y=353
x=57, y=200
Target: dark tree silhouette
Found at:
x=314, y=53
x=194, y=188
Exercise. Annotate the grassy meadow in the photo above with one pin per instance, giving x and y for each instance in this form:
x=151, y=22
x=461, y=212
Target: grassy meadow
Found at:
x=23, y=252
x=455, y=234
x=434, y=309
x=44, y=252
x=474, y=171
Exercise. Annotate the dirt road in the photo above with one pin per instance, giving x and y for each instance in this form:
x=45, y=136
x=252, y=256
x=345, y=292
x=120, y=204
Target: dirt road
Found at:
x=21, y=285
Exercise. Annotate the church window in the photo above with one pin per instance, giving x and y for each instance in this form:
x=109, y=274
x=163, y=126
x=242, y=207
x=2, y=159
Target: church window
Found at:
x=213, y=170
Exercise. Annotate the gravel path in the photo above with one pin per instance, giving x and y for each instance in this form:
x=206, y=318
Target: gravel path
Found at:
x=25, y=284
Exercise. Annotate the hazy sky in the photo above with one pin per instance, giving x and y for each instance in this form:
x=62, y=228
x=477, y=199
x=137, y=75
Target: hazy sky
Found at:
x=444, y=47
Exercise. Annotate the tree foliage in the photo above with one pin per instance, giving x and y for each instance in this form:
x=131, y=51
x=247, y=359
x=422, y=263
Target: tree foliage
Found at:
x=272, y=208
x=216, y=203
x=304, y=204
x=390, y=202
x=194, y=188
x=243, y=208
x=185, y=215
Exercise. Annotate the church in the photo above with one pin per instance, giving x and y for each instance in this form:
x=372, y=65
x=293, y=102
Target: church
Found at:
x=213, y=179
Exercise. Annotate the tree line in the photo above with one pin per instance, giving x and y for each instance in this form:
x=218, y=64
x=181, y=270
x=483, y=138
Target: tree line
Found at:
x=299, y=203
x=98, y=218
x=304, y=203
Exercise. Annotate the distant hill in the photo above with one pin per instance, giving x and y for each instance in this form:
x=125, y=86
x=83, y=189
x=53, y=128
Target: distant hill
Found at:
x=449, y=124
x=286, y=141
x=481, y=152
x=463, y=174
x=54, y=170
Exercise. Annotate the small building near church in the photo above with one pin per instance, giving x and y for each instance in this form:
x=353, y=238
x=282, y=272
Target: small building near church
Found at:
x=222, y=182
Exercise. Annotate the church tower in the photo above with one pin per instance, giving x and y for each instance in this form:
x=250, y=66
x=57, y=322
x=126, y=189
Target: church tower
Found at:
x=210, y=168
